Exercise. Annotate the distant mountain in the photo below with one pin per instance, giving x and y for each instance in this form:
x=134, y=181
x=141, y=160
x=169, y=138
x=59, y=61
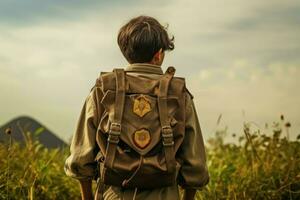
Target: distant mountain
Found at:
x=24, y=124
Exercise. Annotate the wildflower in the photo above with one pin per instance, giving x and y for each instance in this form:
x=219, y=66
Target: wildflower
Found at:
x=288, y=124
x=8, y=131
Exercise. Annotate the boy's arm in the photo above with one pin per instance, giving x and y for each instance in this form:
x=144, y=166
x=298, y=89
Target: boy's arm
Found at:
x=193, y=173
x=86, y=189
x=81, y=163
x=189, y=194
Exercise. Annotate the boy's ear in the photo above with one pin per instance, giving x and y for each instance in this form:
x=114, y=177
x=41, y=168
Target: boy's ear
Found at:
x=158, y=57
x=158, y=54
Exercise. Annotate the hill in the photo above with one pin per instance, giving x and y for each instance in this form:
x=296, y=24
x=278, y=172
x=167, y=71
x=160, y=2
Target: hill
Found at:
x=20, y=126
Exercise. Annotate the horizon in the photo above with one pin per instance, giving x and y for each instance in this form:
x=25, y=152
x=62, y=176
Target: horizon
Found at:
x=240, y=60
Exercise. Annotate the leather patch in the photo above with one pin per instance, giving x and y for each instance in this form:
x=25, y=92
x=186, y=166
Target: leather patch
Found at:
x=141, y=106
x=141, y=138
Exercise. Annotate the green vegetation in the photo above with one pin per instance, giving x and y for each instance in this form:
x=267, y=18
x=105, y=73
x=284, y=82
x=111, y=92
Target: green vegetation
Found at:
x=34, y=172
x=258, y=166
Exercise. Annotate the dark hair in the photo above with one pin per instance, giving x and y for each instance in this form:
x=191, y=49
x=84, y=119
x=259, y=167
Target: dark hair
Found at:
x=142, y=37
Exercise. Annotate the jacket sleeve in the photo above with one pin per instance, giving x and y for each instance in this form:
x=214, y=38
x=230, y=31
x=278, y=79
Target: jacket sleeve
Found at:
x=81, y=162
x=193, y=172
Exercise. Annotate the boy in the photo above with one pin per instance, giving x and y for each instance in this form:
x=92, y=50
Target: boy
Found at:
x=160, y=135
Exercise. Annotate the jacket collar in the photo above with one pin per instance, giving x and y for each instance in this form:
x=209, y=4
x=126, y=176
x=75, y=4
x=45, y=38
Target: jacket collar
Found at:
x=145, y=68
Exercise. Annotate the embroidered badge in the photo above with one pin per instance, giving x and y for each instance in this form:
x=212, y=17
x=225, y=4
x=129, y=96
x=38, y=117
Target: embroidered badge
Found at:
x=141, y=106
x=141, y=138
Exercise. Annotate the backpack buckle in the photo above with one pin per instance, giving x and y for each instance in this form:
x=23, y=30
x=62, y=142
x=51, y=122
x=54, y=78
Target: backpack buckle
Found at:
x=114, y=133
x=167, y=135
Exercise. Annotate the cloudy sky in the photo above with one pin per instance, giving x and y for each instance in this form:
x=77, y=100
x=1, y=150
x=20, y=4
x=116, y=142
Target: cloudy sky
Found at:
x=241, y=58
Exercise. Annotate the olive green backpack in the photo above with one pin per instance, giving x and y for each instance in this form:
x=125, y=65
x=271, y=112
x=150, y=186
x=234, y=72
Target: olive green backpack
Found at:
x=143, y=125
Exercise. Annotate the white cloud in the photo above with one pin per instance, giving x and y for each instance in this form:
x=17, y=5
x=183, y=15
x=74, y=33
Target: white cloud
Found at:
x=48, y=67
x=262, y=93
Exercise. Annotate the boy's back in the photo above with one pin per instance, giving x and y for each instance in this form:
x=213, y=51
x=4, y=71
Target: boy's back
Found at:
x=90, y=142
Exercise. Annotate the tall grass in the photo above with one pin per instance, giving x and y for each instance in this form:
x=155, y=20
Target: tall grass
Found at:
x=258, y=166
x=32, y=172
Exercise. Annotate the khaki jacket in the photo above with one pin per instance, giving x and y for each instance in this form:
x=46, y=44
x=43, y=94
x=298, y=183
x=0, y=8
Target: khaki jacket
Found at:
x=85, y=146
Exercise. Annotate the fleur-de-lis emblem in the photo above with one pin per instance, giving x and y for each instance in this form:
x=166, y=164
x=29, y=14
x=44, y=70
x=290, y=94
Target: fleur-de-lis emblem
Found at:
x=141, y=138
x=141, y=106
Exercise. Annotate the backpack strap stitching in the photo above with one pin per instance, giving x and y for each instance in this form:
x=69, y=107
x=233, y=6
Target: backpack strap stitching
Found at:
x=115, y=127
x=167, y=132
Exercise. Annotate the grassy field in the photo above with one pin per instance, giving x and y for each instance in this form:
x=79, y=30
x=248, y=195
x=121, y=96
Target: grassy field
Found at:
x=258, y=166
x=34, y=172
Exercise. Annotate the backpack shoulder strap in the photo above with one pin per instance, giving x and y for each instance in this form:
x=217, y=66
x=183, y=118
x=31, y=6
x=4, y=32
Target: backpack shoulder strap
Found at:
x=115, y=127
x=166, y=130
